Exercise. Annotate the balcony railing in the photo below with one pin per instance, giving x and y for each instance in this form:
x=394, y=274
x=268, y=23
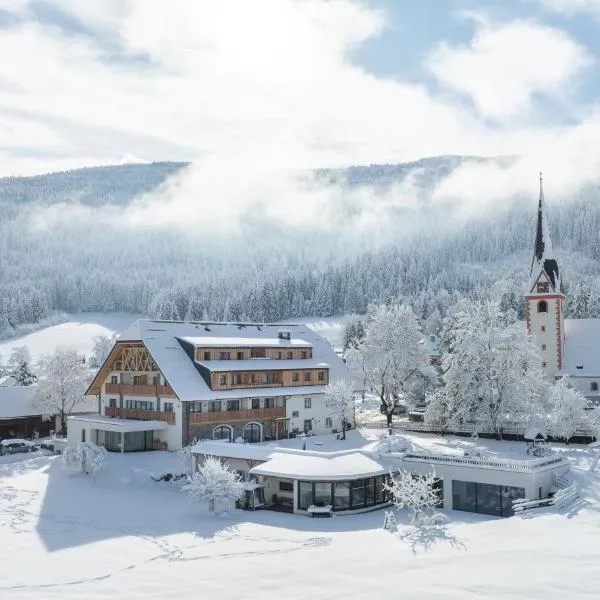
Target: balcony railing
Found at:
x=224, y=416
x=140, y=415
x=133, y=389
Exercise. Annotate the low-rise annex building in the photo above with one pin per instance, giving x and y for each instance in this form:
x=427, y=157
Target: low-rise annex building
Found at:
x=351, y=481
x=188, y=380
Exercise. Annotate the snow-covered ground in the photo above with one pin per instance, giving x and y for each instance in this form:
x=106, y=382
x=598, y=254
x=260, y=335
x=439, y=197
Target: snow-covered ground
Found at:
x=80, y=329
x=125, y=536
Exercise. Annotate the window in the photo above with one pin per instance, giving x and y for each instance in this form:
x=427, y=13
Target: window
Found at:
x=289, y=355
x=214, y=406
x=295, y=376
x=168, y=407
x=295, y=414
x=543, y=328
x=224, y=355
x=307, y=402
x=306, y=375
x=321, y=376
x=137, y=380
x=542, y=287
x=580, y=367
x=358, y=493
x=139, y=404
x=236, y=379
x=286, y=486
x=114, y=379
x=543, y=347
x=328, y=423
x=269, y=402
x=258, y=353
x=544, y=364
x=279, y=356
x=542, y=306
x=322, y=495
x=222, y=379
x=255, y=403
x=307, y=425
x=195, y=407
x=341, y=495
x=305, y=494
x=240, y=356
x=112, y=402
x=233, y=405
x=222, y=432
x=594, y=386
x=303, y=354
x=207, y=356
x=156, y=380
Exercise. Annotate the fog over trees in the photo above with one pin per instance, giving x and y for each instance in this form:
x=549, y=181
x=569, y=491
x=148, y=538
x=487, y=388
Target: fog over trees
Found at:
x=56, y=256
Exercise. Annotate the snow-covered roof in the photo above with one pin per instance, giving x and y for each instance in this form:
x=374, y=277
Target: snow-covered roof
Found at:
x=262, y=364
x=240, y=342
x=310, y=467
x=533, y=433
x=6, y=380
x=120, y=425
x=582, y=348
x=161, y=338
x=17, y=401
x=234, y=450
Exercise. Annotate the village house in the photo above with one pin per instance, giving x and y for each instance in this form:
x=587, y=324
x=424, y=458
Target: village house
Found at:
x=167, y=383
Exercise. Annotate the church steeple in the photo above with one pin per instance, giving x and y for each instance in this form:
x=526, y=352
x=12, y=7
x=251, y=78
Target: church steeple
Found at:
x=543, y=254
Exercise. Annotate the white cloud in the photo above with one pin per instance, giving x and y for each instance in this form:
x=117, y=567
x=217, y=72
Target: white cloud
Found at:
x=252, y=92
x=572, y=7
x=505, y=65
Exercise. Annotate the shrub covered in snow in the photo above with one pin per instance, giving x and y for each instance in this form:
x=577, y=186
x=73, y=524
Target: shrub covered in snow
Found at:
x=87, y=457
x=216, y=483
x=416, y=493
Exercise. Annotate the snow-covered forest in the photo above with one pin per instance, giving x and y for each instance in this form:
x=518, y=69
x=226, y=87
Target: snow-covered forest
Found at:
x=56, y=256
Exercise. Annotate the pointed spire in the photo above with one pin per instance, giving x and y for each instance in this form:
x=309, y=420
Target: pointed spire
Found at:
x=543, y=254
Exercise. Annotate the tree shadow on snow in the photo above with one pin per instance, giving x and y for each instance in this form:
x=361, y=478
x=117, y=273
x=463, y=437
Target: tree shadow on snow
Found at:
x=423, y=538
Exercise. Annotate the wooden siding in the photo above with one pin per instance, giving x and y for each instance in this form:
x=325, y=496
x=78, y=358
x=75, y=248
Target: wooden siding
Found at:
x=226, y=416
x=259, y=352
x=141, y=415
x=132, y=389
x=280, y=378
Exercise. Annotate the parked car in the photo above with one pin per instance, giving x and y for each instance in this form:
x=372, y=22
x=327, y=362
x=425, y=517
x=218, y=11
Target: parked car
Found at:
x=16, y=446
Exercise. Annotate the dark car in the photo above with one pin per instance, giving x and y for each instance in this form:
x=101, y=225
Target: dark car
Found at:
x=16, y=446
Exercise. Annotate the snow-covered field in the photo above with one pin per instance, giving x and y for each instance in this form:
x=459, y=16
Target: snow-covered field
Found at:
x=125, y=536
x=81, y=328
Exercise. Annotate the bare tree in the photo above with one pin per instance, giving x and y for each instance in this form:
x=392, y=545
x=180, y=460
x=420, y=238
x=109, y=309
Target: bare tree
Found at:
x=62, y=384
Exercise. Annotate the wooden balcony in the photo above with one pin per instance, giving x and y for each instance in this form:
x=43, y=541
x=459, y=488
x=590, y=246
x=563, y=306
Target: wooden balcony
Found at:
x=140, y=415
x=226, y=416
x=131, y=389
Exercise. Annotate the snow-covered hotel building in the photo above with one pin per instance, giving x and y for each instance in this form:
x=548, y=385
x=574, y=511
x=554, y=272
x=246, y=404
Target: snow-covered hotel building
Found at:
x=167, y=383
x=567, y=346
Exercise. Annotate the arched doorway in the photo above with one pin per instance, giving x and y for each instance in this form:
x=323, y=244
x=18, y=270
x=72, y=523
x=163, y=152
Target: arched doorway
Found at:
x=223, y=432
x=252, y=432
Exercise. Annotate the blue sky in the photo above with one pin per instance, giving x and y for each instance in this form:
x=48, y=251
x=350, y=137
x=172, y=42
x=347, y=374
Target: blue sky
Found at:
x=270, y=86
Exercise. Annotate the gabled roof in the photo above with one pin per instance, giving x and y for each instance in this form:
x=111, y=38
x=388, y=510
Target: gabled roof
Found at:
x=162, y=340
x=581, y=356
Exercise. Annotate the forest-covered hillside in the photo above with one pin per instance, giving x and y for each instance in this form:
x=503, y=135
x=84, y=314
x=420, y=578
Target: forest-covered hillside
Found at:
x=63, y=247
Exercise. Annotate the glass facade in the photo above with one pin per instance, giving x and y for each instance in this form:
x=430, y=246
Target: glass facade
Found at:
x=485, y=498
x=342, y=495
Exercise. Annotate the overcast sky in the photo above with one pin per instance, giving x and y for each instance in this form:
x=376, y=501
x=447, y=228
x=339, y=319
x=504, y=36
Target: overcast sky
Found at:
x=301, y=83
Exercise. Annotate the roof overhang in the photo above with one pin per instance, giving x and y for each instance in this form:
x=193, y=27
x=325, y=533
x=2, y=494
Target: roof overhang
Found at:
x=119, y=425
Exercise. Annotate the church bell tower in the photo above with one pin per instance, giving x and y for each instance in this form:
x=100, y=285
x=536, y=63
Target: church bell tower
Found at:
x=545, y=299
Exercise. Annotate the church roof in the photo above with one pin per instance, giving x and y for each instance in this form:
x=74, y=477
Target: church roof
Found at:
x=581, y=356
x=543, y=253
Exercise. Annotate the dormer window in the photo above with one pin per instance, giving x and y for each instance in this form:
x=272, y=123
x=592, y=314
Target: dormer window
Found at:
x=579, y=366
x=542, y=306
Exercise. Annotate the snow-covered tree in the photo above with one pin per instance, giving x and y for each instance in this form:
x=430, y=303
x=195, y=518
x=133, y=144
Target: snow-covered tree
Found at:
x=23, y=374
x=86, y=456
x=390, y=351
x=436, y=412
x=491, y=370
x=415, y=492
x=102, y=345
x=187, y=456
x=215, y=483
x=64, y=379
x=340, y=402
x=19, y=355
x=568, y=409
